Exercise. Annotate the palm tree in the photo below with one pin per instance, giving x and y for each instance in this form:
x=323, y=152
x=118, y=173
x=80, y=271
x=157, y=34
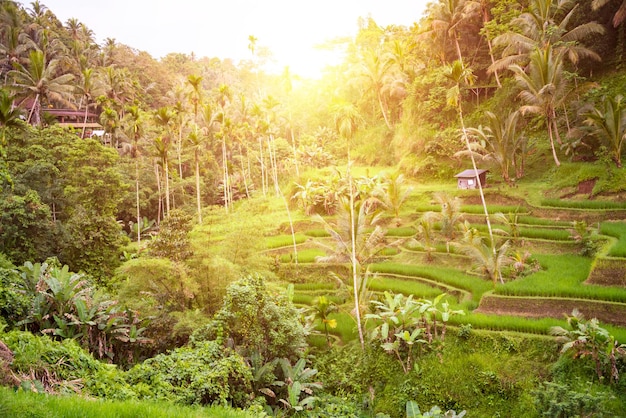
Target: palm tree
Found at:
x=223, y=99
x=502, y=140
x=545, y=26
x=195, y=81
x=286, y=78
x=544, y=89
x=459, y=74
x=354, y=243
x=39, y=80
x=393, y=193
x=197, y=141
x=88, y=88
x=609, y=124
x=164, y=117
x=134, y=122
x=448, y=16
x=374, y=67
x=14, y=42
x=110, y=120
x=489, y=258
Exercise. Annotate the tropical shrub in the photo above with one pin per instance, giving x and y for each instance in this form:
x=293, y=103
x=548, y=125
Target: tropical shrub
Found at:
x=203, y=373
x=255, y=320
x=66, y=305
x=587, y=338
x=52, y=366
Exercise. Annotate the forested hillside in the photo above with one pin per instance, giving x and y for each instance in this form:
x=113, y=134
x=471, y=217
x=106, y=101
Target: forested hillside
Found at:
x=220, y=234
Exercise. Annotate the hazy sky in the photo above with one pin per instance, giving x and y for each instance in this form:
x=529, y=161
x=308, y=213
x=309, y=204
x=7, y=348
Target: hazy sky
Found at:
x=289, y=28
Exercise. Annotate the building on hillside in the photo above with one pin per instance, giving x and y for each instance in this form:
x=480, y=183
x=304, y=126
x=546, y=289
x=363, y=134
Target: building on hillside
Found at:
x=75, y=119
x=468, y=179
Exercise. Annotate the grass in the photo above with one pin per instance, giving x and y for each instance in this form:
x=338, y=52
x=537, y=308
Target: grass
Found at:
x=317, y=233
x=531, y=220
x=304, y=256
x=407, y=287
x=451, y=277
x=508, y=323
x=616, y=230
x=561, y=276
x=479, y=210
x=30, y=404
x=551, y=234
x=583, y=204
x=279, y=241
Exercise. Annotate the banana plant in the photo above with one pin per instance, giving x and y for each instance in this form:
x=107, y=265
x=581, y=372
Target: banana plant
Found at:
x=299, y=387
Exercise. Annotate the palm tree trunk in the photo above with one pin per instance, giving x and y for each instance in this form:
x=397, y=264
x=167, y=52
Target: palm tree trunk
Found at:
x=354, y=261
x=480, y=189
x=167, y=187
x=225, y=174
x=82, y=135
x=179, y=147
x=243, y=171
x=158, y=180
x=137, y=201
x=556, y=159
x=293, y=145
x=382, y=109
x=262, y=161
x=198, y=201
x=32, y=109
x=273, y=163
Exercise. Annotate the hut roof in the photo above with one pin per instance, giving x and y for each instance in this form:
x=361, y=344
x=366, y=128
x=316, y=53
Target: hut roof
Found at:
x=471, y=173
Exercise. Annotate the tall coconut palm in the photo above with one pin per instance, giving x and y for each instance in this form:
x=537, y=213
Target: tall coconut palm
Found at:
x=373, y=68
x=223, y=99
x=164, y=117
x=288, y=86
x=197, y=141
x=195, y=82
x=39, y=80
x=544, y=89
x=88, y=88
x=134, y=123
x=461, y=75
x=14, y=41
x=447, y=17
x=347, y=120
x=609, y=124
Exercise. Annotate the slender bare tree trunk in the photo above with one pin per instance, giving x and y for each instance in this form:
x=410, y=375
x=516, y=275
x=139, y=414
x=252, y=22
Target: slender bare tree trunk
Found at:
x=198, y=200
x=167, y=187
x=354, y=261
x=158, y=179
x=137, y=200
x=82, y=135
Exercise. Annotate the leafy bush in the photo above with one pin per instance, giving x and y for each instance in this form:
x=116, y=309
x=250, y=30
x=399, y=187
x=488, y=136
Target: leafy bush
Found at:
x=205, y=373
x=257, y=321
x=172, y=240
x=58, y=366
x=14, y=303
